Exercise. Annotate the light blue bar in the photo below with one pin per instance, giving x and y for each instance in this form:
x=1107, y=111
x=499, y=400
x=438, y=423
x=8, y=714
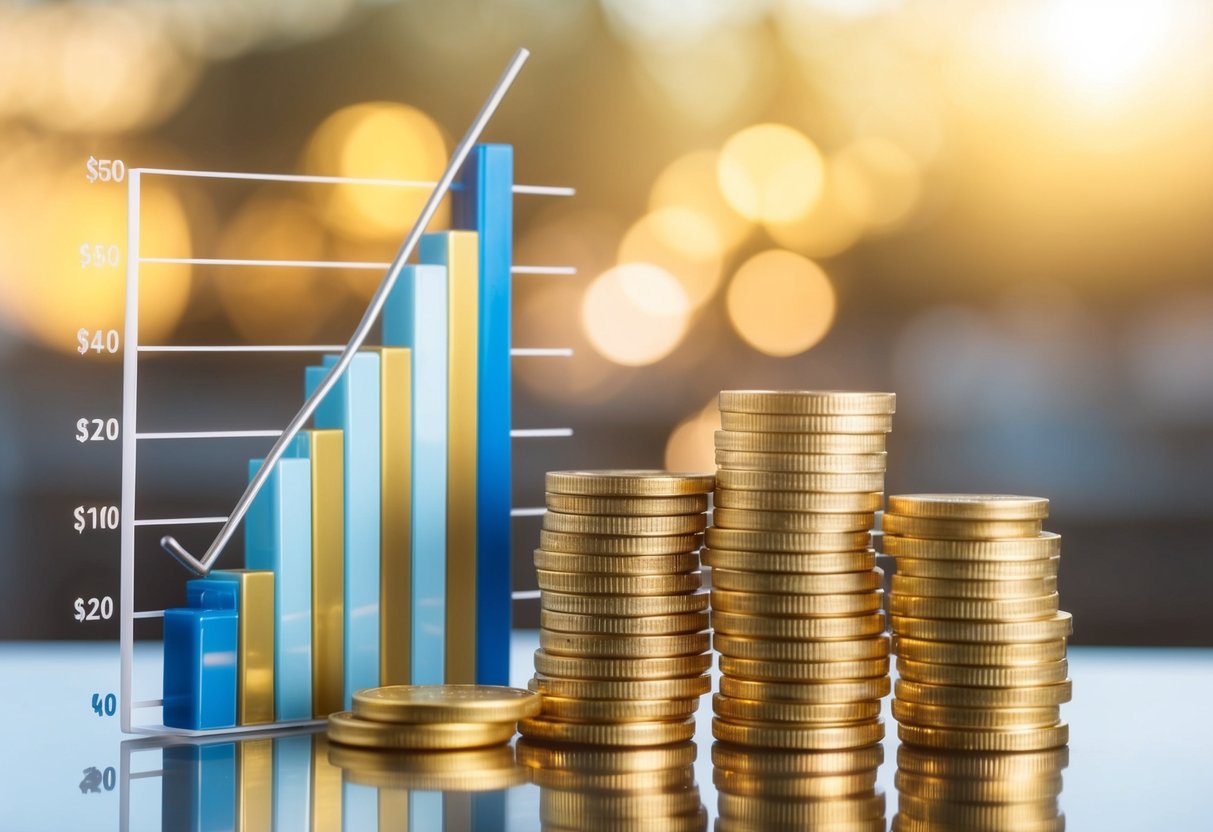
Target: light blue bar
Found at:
x=353, y=406
x=278, y=537
x=292, y=783
x=198, y=788
x=360, y=807
x=415, y=316
x=425, y=810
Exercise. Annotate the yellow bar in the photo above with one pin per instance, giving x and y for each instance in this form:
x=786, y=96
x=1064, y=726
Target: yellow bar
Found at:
x=396, y=526
x=254, y=785
x=327, y=452
x=326, y=788
x=255, y=662
x=394, y=810
x=462, y=260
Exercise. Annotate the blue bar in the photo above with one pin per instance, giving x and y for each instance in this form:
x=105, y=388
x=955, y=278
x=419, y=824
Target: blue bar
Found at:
x=198, y=788
x=485, y=204
x=292, y=783
x=359, y=806
x=353, y=406
x=415, y=316
x=200, y=649
x=488, y=811
x=278, y=537
x=425, y=810
x=212, y=594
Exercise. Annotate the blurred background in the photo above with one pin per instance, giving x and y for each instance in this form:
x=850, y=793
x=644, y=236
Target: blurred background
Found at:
x=1000, y=211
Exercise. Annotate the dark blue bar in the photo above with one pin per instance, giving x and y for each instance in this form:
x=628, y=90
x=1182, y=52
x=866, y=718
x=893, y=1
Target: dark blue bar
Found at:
x=200, y=655
x=198, y=788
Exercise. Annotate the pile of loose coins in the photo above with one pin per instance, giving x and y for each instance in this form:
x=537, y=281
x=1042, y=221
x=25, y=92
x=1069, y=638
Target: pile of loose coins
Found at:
x=623, y=637
x=796, y=595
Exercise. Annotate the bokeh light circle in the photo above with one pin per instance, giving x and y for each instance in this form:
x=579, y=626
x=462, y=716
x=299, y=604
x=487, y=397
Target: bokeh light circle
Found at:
x=681, y=241
x=635, y=313
x=781, y=303
x=770, y=172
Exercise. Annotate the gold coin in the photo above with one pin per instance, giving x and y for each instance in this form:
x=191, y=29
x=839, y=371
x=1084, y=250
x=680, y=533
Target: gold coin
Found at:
x=820, y=563
x=609, y=809
x=823, y=786
x=802, y=712
x=629, y=647
x=812, y=502
x=789, y=521
x=768, y=604
x=802, y=814
x=621, y=733
x=807, y=542
x=605, y=760
x=977, y=791
x=775, y=671
x=778, y=481
x=650, y=625
x=1013, y=653
x=978, y=697
x=800, y=651
x=474, y=770
x=761, y=626
x=565, y=667
x=970, y=506
x=586, y=544
x=346, y=728
x=614, y=781
x=984, y=609
x=587, y=584
x=627, y=483
x=616, y=564
x=947, y=529
x=952, y=570
x=802, y=463
x=1024, y=739
x=978, y=815
x=767, y=762
x=618, y=710
x=841, y=582
x=630, y=606
x=984, y=766
x=444, y=703
x=1026, y=675
x=735, y=825
x=800, y=443
x=797, y=737
x=905, y=823
x=631, y=526
x=940, y=716
x=680, y=688
x=786, y=423
x=628, y=506
x=937, y=588
x=854, y=690
x=807, y=402
x=1040, y=547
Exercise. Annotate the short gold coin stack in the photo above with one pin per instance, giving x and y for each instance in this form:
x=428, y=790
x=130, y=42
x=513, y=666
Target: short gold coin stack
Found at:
x=980, y=643
x=623, y=652
x=796, y=595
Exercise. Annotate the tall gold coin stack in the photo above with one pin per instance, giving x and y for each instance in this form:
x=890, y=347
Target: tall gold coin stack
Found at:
x=623, y=642
x=796, y=595
x=980, y=643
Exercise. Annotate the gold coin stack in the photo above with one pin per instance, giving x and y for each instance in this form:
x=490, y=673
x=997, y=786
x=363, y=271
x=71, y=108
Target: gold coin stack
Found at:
x=980, y=643
x=762, y=790
x=623, y=642
x=617, y=789
x=796, y=595
x=979, y=791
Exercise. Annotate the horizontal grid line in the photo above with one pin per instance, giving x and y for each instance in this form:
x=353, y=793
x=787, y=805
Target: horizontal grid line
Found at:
x=530, y=190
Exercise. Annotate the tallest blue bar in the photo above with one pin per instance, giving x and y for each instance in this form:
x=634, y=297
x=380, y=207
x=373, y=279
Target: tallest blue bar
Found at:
x=485, y=204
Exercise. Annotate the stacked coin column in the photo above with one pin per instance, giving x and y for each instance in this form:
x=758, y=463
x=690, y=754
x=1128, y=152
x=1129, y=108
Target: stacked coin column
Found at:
x=796, y=597
x=623, y=623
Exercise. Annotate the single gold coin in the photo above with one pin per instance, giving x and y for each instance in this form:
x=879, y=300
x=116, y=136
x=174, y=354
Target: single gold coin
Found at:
x=587, y=544
x=779, y=764
x=940, y=588
x=627, y=483
x=344, y=727
x=786, y=423
x=959, y=765
x=628, y=506
x=778, y=481
x=762, y=626
x=954, y=790
x=936, y=528
x=567, y=667
x=807, y=542
x=803, y=814
x=734, y=825
x=650, y=625
x=617, y=710
x=769, y=604
x=534, y=754
x=802, y=712
x=572, y=808
x=1024, y=739
x=444, y=703
x=614, y=781
x=472, y=770
x=693, y=822
x=797, y=737
x=977, y=697
x=775, y=671
x=978, y=815
x=766, y=649
x=820, y=563
x=616, y=564
x=970, y=506
x=621, y=733
x=1013, y=653
x=802, y=463
x=905, y=823
x=624, y=647
x=800, y=443
x=807, y=402
x=631, y=606
x=630, y=526
x=1026, y=675
x=823, y=786
x=586, y=584
x=951, y=570
x=810, y=502
x=678, y=688
x=854, y=690
x=1043, y=546
x=841, y=582
x=984, y=609
x=792, y=521
x=941, y=716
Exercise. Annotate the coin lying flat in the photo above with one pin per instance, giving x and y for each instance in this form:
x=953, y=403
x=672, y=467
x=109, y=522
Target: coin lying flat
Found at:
x=444, y=703
x=843, y=582
x=800, y=443
x=942, y=588
x=800, y=650
x=941, y=716
x=628, y=506
x=615, y=564
x=472, y=770
x=588, y=584
x=802, y=463
x=954, y=790
x=796, y=563
x=791, y=521
x=951, y=570
x=796, y=712
x=676, y=688
x=618, y=710
x=807, y=402
x=800, y=737
x=1013, y=653
x=770, y=604
x=855, y=690
x=782, y=481
x=627, y=483
x=817, y=787
x=623, y=605
x=645, y=625
x=806, y=542
x=959, y=529
x=344, y=727
x=1044, y=545
x=623, y=647
x=982, y=609
x=780, y=671
x=1025, y=739
x=643, y=526
x=586, y=544
x=622, y=733
x=762, y=626
x=970, y=506
x=1026, y=675
x=974, y=697
x=799, y=501
x=988, y=766
x=602, y=760
x=786, y=423
x=779, y=763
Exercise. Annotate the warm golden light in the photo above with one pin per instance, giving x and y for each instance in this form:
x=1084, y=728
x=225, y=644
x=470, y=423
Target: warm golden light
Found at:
x=689, y=183
x=875, y=181
x=770, y=172
x=635, y=314
x=781, y=303
x=692, y=445
x=681, y=241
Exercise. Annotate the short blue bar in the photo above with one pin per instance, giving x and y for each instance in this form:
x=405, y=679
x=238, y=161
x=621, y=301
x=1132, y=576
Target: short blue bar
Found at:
x=415, y=316
x=198, y=788
x=200, y=652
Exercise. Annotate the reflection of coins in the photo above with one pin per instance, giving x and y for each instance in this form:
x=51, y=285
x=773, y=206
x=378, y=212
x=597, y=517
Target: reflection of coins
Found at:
x=802, y=463
x=444, y=703
x=627, y=483
x=1044, y=545
x=842, y=583
x=798, y=501
x=1005, y=790
x=758, y=626
x=618, y=710
x=795, y=763
x=769, y=604
x=937, y=763
x=820, y=786
x=750, y=541
x=855, y=690
x=585, y=584
x=689, y=622
x=961, y=697
x=824, y=563
x=1002, y=610
x=627, y=781
x=624, y=605
x=807, y=402
x=476, y=770
x=585, y=544
x=788, y=521
x=637, y=647
x=622, y=733
x=800, y=651
x=616, y=564
x=1014, y=653
x=785, y=423
x=616, y=525
x=729, y=478
x=1028, y=675
x=848, y=810
x=344, y=727
x=940, y=716
x=970, y=506
x=937, y=588
x=797, y=736
x=629, y=506
x=1059, y=625
x=590, y=759
x=776, y=711
x=1025, y=739
x=567, y=667
x=622, y=689
x=979, y=570
x=780, y=671
x=800, y=443
x=979, y=815
x=563, y=807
